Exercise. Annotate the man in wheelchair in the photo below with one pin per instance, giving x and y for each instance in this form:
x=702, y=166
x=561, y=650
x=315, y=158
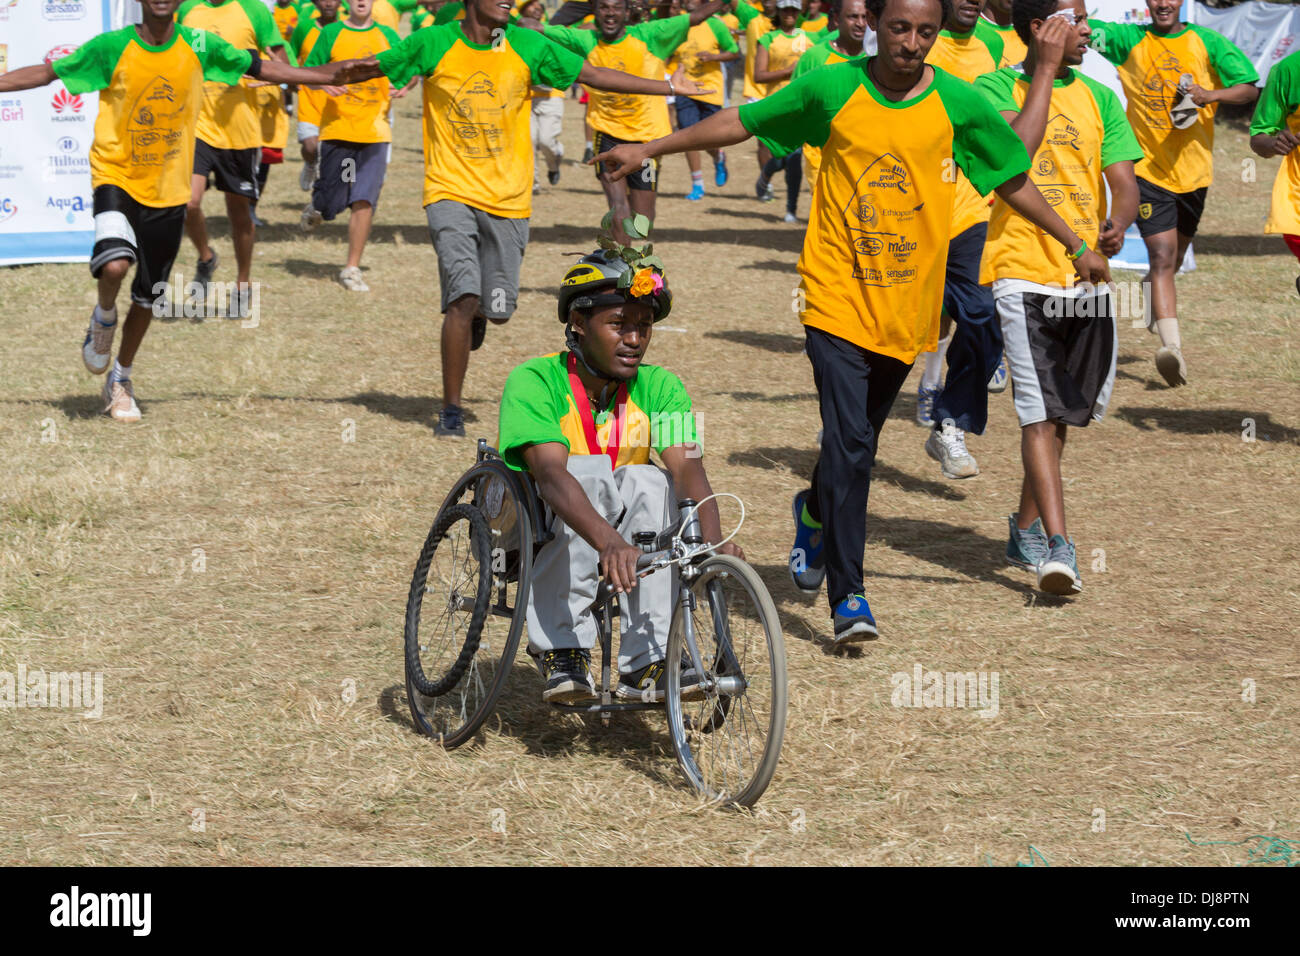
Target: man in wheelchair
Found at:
x=582, y=423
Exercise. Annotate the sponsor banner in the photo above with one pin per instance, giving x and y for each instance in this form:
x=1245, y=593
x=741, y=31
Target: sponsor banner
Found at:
x=46, y=134
x=1266, y=32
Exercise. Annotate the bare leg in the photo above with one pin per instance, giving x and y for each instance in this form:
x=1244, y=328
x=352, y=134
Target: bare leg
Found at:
x=137, y=322
x=196, y=227
x=110, y=281
x=643, y=202
x=457, y=325
x=1041, y=495
x=617, y=195
x=1163, y=254
x=363, y=215
x=310, y=150
x=243, y=232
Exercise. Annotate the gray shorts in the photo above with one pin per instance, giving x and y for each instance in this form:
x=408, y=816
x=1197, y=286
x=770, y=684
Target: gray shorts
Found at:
x=478, y=254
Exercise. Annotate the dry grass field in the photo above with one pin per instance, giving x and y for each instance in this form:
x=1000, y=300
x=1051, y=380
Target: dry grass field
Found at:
x=230, y=731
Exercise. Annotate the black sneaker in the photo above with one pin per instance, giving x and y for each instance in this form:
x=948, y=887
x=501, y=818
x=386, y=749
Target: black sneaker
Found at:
x=478, y=329
x=587, y=155
x=568, y=677
x=553, y=177
x=203, y=273
x=450, y=422
x=650, y=683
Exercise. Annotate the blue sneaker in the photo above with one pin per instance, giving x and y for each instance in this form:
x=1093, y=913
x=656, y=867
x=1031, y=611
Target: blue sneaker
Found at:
x=998, y=383
x=925, y=399
x=853, y=621
x=696, y=193
x=720, y=172
x=1028, y=548
x=807, y=560
x=1059, y=572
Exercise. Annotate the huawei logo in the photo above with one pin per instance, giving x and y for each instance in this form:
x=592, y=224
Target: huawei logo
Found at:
x=65, y=102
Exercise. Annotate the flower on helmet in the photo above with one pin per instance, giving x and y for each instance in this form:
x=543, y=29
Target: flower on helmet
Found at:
x=646, y=282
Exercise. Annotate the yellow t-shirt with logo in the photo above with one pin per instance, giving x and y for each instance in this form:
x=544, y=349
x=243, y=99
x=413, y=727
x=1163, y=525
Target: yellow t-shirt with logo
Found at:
x=711, y=36
x=361, y=114
x=643, y=50
x=1086, y=132
x=231, y=114
x=874, y=254
x=1279, y=109
x=758, y=26
x=1150, y=66
x=783, y=50
x=967, y=56
x=149, y=105
x=477, y=113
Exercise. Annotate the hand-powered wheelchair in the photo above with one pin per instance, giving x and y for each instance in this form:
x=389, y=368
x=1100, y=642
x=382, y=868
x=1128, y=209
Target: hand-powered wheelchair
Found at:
x=469, y=599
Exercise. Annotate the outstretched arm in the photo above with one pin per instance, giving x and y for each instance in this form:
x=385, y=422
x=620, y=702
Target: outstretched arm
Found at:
x=1023, y=196
x=274, y=71
x=615, y=81
x=350, y=71
x=723, y=128
x=27, y=78
x=706, y=10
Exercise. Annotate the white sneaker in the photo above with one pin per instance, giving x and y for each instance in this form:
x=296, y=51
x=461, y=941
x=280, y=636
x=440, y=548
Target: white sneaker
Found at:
x=351, y=278
x=307, y=176
x=119, y=400
x=311, y=218
x=947, y=446
x=97, y=348
x=1170, y=364
x=791, y=217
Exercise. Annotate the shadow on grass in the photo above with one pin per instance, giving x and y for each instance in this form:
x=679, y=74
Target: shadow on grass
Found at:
x=1208, y=421
x=80, y=406
x=773, y=265
x=777, y=240
x=1214, y=245
x=769, y=341
x=800, y=461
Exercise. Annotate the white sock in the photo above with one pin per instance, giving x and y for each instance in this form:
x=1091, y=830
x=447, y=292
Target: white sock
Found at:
x=121, y=373
x=589, y=144
x=932, y=374
x=697, y=178
x=1168, y=329
x=106, y=317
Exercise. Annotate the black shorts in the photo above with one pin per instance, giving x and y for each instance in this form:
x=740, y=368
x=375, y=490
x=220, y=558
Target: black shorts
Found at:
x=647, y=180
x=349, y=172
x=1160, y=210
x=148, y=236
x=232, y=170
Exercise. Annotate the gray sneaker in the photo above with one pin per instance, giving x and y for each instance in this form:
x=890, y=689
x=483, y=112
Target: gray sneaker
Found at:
x=203, y=273
x=947, y=446
x=1026, y=548
x=1059, y=572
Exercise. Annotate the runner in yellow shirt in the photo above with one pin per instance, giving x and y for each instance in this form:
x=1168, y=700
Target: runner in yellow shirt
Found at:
x=229, y=147
x=815, y=19
x=355, y=136
x=775, y=61
x=1174, y=75
x=310, y=101
x=1061, y=338
x=1275, y=131
x=891, y=130
x=153, y=78
x=758, y=25
x=478, y=161
x=998, y=15
x=640, y=49
x=285, y=14
x=708, y=46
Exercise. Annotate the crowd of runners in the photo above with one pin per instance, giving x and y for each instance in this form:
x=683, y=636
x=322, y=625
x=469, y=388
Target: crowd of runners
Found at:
x=968, y=183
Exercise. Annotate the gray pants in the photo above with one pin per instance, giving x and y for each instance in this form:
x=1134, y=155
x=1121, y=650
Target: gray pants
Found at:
x=566, y=573
x=478, y=254
x=548, y=115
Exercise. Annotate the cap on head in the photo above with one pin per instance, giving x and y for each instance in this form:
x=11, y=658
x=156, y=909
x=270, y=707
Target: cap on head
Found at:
x=789, y=4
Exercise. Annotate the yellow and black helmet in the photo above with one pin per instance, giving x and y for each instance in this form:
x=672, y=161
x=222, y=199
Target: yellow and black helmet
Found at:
x=602, y=278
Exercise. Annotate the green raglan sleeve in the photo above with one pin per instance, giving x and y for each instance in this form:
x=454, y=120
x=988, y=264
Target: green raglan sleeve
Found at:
x=726, y=42
x=1280, y=98
x=802, y=111
x=550, y=63
x=572, y=39
x=672, y=422
x=448, y=13
x=404, y=6
x=1228, y=59
x=744, y=13
x=90, y=66
x=1115, y=41
x=991, y=39
x=417, y=55
x=996, y=88
x=299, y=35
x=1118, y=143
x=324, y=46
x=530, y=412
x=813, y=58
x=826, y=37
x=984, y=145
x=390, y=34
x=221, y=60
x=664, y=36
x=264, y=28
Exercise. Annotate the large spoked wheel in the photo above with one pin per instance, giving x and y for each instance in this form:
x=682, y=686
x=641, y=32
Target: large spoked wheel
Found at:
x=729, y=739
x=496, y=494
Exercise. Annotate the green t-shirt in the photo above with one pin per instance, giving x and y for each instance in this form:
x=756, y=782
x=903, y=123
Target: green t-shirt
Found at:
x=448, y=12
x=818, y=56
x=537, y=407
x=1280, y=98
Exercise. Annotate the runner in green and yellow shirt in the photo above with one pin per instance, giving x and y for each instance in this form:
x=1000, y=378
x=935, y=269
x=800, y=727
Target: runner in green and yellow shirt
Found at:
x=153, y=78
x=775, y=60
x=997, y=14
x=891, y=130
x=1275, y=131
x=478, y=161
x=640, y=49
x=814, y=20
x=845, y=43
x=310, y=101
x=1174, y=75
x=707, y=48
x=1061, y=339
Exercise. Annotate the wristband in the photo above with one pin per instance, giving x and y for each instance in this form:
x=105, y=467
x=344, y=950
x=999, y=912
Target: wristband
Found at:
x=254, y=65
x=1083, y=247
x=671, y=91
